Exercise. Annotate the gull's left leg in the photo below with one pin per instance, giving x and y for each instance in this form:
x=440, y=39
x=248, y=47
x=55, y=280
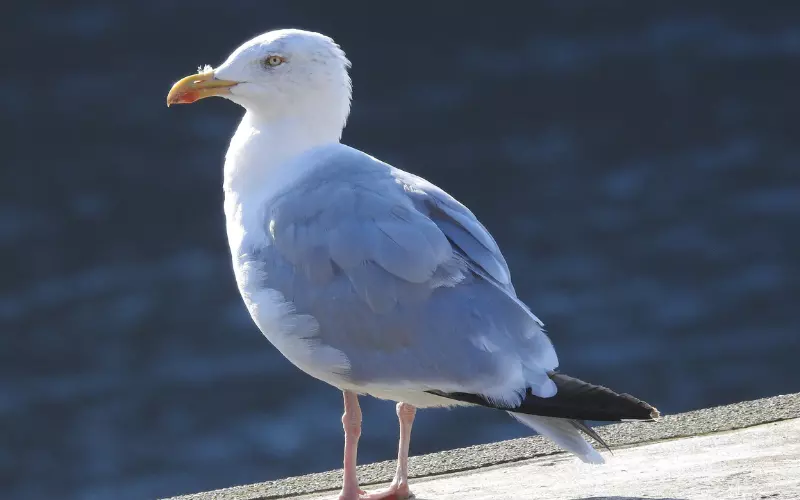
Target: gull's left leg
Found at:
x=399, y=487
x=405, y=414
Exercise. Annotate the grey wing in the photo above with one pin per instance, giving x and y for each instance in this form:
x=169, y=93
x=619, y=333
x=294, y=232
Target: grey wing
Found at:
x=460, y=226
x=406, y=283
x=467, y=235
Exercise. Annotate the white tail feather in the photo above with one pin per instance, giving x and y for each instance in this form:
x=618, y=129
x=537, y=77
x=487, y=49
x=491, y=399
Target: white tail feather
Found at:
x=563, y=433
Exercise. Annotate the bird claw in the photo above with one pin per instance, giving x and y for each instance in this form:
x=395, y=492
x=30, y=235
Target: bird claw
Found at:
x=393, y=492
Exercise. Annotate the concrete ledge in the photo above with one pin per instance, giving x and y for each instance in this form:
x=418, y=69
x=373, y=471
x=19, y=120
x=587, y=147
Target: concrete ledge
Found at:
x=695, y=423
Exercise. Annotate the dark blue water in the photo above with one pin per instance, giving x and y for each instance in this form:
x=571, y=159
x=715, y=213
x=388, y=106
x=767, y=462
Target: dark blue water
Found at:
x=638, y=166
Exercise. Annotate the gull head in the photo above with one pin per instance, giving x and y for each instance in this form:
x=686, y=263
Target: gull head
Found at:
x=280, y=75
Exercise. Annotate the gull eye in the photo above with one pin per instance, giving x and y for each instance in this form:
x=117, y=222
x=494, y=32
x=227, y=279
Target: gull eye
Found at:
x=272, y=61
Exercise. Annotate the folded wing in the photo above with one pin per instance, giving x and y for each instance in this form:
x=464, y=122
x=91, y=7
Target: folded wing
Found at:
x=404, y=281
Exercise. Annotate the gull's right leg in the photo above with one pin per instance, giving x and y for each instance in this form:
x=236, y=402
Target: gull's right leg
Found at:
x=351, y=421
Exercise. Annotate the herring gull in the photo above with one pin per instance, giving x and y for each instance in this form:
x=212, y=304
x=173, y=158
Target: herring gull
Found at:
x=370, y=278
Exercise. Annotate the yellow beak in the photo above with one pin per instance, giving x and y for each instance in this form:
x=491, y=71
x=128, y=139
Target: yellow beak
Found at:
x=196, y=87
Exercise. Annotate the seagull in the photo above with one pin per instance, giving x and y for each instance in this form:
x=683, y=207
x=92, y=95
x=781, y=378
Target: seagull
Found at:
x=371, y=278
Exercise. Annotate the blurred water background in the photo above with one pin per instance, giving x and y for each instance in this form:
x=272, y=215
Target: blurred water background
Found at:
x=637, y=162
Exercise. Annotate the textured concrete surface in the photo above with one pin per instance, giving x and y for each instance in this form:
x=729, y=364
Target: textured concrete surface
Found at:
x=755, y=461
x=761, y=462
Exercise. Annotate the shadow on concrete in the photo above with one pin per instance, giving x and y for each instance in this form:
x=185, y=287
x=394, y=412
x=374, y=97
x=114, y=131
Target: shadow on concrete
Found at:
x=627, y=498
x=418, y=497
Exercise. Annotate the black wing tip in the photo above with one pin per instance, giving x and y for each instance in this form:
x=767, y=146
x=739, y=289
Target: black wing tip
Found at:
x=628, y=407
x=655, y=415
x=652, y=414
x=575, y=399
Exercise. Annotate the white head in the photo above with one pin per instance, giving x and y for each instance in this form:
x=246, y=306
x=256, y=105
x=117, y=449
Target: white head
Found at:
x=283, y=75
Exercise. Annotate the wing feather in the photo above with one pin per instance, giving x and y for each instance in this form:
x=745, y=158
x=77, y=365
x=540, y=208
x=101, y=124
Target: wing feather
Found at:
x=460, y=225
x=405, y=281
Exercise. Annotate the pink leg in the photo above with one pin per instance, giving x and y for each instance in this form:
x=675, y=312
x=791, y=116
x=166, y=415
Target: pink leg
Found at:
x=399, y=487
x=405, y=414
x=351, y=421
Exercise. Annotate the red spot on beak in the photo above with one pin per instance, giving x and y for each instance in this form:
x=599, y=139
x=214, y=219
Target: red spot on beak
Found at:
x=187, y=97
